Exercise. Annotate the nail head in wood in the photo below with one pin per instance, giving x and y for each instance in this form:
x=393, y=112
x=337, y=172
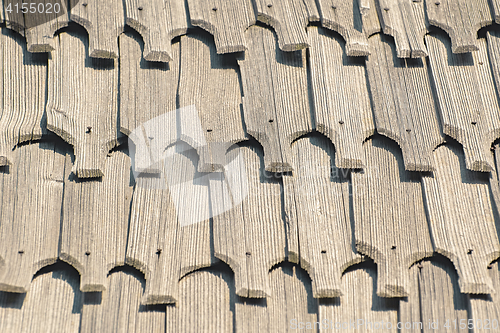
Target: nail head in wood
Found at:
x=140, y=8
x=87, y=253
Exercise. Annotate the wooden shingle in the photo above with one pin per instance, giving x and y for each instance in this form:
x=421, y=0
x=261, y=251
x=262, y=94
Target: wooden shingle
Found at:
x=485, y=309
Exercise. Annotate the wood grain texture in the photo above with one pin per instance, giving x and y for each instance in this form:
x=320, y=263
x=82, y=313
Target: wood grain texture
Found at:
x=275, y=103
x=321, y=193
x=118, y=308
x=158, y=22
x=104, y=22
x=210, y=83
x=390, y=221
x=53, y=304
x=225, y=20
x=495, y=6
x=22, y=97
x=82, y=106
x=405, y=20
x=461, y=19
x=485, y=309
x=289, y=18
x=291, y=302
x=95, y=221
x=467, y=99
x=345, y=17
x=462, y=221
x=409, y=307
x=359, y=302
x=13, y=20
x=250, y=237
x=148, y=103
x=370, y=17
x=205, y=303
x=30, y=214
x=339, y=86
x=170, y=232
x=403, y=103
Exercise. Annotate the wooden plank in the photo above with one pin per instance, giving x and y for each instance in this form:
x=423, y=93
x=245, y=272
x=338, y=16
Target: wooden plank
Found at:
x=205, y=304
x=118, y=308
x=158, y=22
x=405, y=21
x=250, y=237
x=323, y=217
x=390, y=221
x=339, y=86
x=30, y=218
x=291, y=302
x=104, y=22
x=403, y=103
x=495, y=4
x=346, y=18
x=461, y=19
x=359, y=305
x=148, y=100
x=53, y=304
x=94, y=232
x=210, y=82
x=464, y=82
x=369, y=17
x=82, y=106
x=409, y=307
x=21, y=113
x=14, y=19
x=461, y=218
x=275, y=114
x=485, y=309
x=289, y=19
x=170, y=229
x=225, y=20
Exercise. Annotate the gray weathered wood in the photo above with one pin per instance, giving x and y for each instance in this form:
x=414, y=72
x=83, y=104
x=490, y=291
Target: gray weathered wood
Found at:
x=209, y=82
x=390, y=221
x=158, y=22
x=345, y=17
x=82, y=106
x=169, y=229
x=405, y=20
x=104, y=22
x=291, y=299
x=369, y=17
x=321, y=192
x=225, y=20
x=461, y=19
x=249, y=237
x=409, y=307
x=275, y=103
x=487, y=307
x=461, y=215
x=95, y=220
x=118, y=308
x=403, y=103
x=359, y=302
x=204, y=305
x=495, y=6
x=13, y=20
x=22, y=97
x=289, y=18
x=148, y=95
x=467, y=99
x=30, y=208
x=339, y=87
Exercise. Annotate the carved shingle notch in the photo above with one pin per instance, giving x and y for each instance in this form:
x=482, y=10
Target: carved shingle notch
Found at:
x=462, y=220
x=158, y=22
x=467, y=98
x=339, y=87
x=405, y=21
x=461, y=19
x=169, y=233
x=82, y=105
x=321, y=193
x=276, y=102
x=489, y=306
x=22, y=94
x=289, y=18
x=250, y=235
x=30, y=214
x=209, y=82
x=104, y=22
x=345, y=17
x=225, y=20
x=403, y=103
x=389, y=216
